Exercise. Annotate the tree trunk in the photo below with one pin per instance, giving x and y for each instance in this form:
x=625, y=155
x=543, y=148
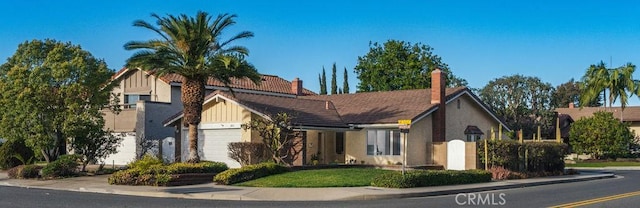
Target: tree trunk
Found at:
x=192, y=99
x=193, y=144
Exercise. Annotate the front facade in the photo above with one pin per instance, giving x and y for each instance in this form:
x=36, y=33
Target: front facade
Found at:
x=146, y=100
x=359, y=128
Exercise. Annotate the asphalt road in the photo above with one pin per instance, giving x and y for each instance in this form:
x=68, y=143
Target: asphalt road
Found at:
x=618, y=192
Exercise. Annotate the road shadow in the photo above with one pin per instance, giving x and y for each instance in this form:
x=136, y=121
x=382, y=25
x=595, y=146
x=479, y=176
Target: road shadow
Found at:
x=197, y=190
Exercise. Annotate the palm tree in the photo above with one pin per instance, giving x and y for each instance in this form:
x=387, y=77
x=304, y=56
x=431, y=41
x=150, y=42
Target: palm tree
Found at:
x=618, y=82
x=595, y=81
x=192, y=47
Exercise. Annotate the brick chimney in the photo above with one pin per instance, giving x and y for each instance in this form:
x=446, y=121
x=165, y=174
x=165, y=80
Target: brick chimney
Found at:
x=296, y=86
x=438, y=88
x=571, y=105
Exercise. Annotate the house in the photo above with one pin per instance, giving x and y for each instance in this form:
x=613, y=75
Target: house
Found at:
x=631, y=114
x=351, y=128
x=147, y=100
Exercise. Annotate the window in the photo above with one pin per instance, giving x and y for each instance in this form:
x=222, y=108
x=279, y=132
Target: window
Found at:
x=383, y=142
x=339, y=143
x=473, y=133
x=131, y=100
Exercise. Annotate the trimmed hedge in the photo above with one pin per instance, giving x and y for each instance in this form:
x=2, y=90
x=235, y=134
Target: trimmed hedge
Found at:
x=24, y=171
x=148, y=172
x=64, y=166
x=423, y=178
x=539, y=156
x=249, y=172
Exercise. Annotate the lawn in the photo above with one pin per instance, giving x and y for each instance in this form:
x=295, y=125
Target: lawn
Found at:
x=602, y=164
x=339, y=177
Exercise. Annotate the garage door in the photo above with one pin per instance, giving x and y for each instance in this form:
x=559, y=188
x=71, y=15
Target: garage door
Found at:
x=126, y=150
x=212, y=145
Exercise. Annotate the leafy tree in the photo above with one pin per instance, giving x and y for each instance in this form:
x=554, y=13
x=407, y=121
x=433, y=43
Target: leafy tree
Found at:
x=345, y=84
x=569, y=92
x=323, y=82
x=278, y=136
x=334, y=82
x=618, y=82
x=47, y=87
x=399, y=65
x=601, y=136
x=193, y=47
x=93, y=142
x=523, y=102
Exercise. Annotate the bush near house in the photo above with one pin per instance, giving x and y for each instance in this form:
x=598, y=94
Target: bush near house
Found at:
x=64, y=166
x=423, y=178
x=24, y=171
x=507, y=157
x=151, y=171
x=11, y=153
x=249, y=172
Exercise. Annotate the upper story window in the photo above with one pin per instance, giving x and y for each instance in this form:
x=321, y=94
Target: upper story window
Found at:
x=130, y=100
x=383, y=142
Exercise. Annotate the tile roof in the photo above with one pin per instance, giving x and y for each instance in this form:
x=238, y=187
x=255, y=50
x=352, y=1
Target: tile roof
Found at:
x=306, y=112
x=383, y=107
x=270, y=83
x=630, y=113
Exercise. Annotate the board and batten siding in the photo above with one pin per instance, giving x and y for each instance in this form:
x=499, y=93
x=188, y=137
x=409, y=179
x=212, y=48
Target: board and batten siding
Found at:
x=138, y=82
x=226, y=112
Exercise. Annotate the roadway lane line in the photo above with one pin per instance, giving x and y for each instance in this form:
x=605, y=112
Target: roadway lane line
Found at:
x=598, y=200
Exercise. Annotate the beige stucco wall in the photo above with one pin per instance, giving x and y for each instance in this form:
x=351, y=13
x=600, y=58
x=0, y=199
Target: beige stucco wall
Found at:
x=125, y=121
x=469, y=113
x=635, y=126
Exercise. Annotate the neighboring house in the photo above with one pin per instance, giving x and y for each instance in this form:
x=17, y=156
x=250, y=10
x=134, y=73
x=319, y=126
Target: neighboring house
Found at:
x=631, y=114
x=350, y=128
x=147, y=100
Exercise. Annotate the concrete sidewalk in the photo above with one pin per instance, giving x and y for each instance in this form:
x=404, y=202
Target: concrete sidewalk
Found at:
x=98, y=184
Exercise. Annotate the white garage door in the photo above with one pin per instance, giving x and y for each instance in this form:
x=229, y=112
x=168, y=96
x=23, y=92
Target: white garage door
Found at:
x=126, y=150
x=212, y=144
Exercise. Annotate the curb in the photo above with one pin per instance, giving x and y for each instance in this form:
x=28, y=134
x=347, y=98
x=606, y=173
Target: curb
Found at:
x=212, y=196
x=469, y=190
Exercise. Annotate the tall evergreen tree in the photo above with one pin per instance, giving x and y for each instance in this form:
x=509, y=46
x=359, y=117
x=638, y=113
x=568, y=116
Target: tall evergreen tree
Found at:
x=334, y=83
x=323, y=82
x=345, y=84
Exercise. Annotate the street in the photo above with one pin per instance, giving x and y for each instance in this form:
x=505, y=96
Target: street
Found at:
x=622, y=191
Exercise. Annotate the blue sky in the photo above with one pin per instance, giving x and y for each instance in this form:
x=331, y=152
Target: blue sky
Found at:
x=481, y=41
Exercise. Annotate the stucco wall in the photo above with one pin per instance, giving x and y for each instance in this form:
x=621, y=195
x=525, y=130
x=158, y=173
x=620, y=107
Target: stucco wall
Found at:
x=125, y=121
x=469, y=113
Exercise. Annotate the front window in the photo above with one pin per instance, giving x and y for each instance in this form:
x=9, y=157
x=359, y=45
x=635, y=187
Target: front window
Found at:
x=383, y=142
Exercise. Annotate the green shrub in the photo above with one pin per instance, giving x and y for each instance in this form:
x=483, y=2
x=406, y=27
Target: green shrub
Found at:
x=423, y=178
x=527, y=157
x=202, y=167
x=12, y=151
x=145, y=162
x=148, y=171
x=64, y=166
x=248, y=173
x=24, y=171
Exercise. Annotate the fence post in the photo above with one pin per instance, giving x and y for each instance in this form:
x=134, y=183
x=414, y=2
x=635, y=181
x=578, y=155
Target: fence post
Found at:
x=499, y=131
x=486, y=155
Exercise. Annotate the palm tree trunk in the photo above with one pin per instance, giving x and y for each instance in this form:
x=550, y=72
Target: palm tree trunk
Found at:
x=193, y=144
x=192, y=99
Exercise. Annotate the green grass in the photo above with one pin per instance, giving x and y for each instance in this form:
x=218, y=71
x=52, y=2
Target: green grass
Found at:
x=602, y=164
x=339, y=177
